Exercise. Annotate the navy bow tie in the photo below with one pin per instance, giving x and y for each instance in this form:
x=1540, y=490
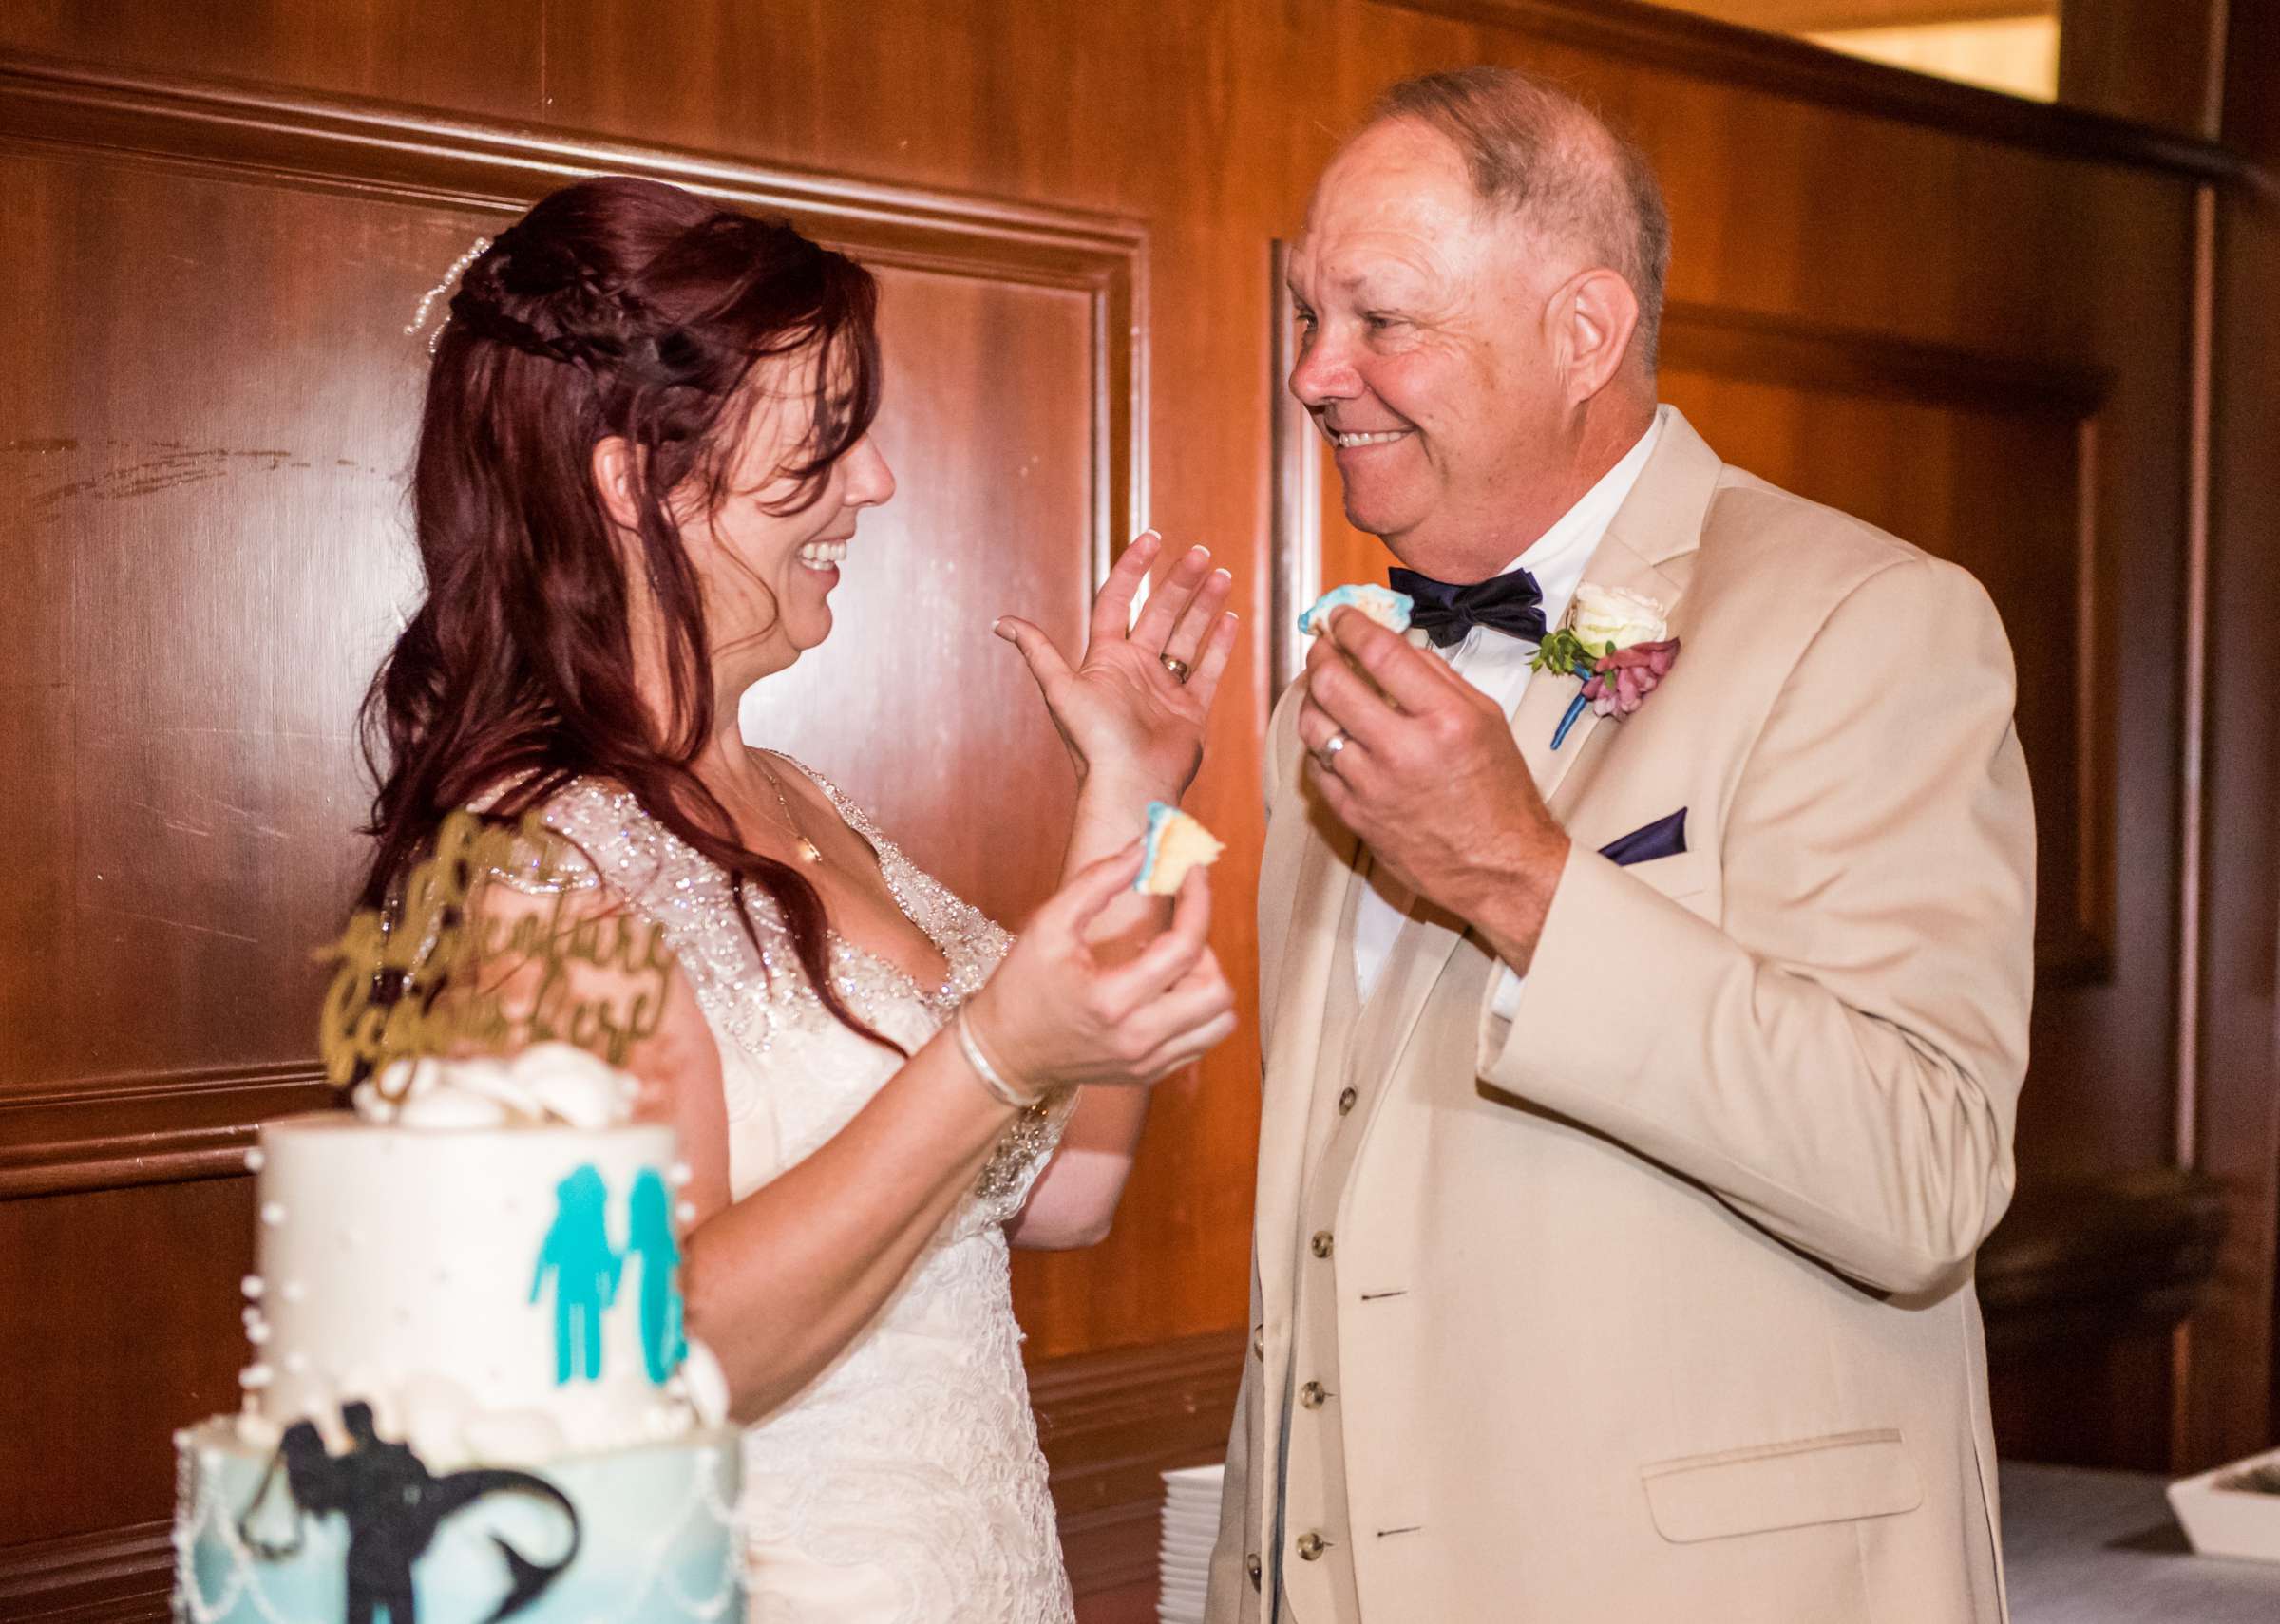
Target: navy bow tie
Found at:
x=1513, y=604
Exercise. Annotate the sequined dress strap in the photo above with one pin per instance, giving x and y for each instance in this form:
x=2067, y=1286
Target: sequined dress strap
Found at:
x=748, y=985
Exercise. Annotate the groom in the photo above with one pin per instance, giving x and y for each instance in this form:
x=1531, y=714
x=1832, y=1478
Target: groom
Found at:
x=1633, y=1108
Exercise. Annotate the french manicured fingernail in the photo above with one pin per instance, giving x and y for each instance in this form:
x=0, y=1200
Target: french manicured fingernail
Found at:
x=999, y=626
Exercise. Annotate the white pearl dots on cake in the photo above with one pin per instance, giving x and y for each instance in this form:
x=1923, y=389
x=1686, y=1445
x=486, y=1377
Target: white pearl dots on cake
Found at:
x=396, y=1261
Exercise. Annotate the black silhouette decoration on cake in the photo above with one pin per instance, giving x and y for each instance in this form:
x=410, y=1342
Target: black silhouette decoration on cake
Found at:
x=394, y=1505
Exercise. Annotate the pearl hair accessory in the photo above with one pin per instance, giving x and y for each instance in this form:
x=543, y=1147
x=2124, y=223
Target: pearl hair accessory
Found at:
x=419, y=317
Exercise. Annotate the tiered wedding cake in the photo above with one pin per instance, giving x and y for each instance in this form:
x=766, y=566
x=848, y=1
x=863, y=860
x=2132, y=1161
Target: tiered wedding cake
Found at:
x=470, y=1397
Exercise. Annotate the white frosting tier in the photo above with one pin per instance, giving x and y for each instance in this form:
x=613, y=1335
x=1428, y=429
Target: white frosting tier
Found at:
x=488, y=1290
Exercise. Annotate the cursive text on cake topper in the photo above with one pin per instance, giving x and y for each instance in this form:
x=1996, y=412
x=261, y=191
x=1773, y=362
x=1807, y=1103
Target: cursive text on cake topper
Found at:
x=433, y=975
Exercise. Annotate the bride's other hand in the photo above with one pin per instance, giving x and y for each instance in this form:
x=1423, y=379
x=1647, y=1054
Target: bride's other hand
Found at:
x=1058, y=1013
x=1124, y=713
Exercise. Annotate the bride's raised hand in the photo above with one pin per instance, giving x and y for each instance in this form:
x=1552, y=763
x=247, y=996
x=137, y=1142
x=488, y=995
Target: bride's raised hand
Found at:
x=1133, y=709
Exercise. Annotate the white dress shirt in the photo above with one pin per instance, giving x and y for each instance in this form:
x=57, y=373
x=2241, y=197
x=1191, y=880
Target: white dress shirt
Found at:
x=1497, y=665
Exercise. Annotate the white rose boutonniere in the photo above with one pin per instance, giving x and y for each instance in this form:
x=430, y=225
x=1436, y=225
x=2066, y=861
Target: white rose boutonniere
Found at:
x=1618, y=642
x=1607, y=618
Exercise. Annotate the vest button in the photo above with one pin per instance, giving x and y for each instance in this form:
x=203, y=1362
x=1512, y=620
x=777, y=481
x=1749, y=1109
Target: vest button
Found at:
x=1250, y=1566
x=1311, y=1546
x=1321, y=1243
x=1346, y=1100
x=1258, y=1341
x=1312, y=1395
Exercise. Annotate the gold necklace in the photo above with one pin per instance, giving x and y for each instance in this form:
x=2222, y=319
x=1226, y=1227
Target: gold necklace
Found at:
x=809, y=852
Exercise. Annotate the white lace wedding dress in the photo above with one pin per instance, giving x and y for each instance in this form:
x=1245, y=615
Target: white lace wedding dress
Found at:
x=904, y=1485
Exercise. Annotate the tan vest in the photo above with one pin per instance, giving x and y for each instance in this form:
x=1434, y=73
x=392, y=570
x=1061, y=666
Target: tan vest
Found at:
x=1317, y=1555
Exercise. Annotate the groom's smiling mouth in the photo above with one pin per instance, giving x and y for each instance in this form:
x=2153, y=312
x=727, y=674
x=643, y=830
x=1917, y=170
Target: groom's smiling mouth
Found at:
x=1352, y=439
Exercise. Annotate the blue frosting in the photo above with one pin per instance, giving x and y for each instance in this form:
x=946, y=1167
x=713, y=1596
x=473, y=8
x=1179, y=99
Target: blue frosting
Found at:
x=1159, y=817
x=1356, y=597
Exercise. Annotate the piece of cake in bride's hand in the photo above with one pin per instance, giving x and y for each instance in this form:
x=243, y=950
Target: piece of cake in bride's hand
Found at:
x=1389, y=608
x=1176, y=844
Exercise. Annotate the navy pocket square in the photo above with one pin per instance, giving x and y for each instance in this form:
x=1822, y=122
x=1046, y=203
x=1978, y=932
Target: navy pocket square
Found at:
x=1664, y=836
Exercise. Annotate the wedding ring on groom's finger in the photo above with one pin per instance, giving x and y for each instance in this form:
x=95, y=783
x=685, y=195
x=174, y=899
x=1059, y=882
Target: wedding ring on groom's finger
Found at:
x=1177, y=668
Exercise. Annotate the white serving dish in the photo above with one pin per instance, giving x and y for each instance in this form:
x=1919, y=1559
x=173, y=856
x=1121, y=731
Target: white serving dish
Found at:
x=2224, y=1522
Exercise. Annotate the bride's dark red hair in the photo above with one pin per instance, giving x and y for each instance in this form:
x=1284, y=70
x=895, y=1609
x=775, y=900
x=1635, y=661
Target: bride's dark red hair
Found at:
x=615, y=307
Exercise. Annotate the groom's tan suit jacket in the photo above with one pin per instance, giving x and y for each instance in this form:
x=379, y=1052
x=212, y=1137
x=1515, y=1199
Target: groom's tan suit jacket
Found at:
x=1656, y=1302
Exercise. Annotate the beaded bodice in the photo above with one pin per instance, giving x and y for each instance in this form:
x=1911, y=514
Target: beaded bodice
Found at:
x=904, y=1484
x=758, y=1000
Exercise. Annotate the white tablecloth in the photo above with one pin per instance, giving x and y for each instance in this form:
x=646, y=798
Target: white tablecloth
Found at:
x=2090, y=1547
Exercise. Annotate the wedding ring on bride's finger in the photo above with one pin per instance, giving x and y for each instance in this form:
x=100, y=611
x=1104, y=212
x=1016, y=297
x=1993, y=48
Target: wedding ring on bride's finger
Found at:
x=1327, y=755
x=1177, y=668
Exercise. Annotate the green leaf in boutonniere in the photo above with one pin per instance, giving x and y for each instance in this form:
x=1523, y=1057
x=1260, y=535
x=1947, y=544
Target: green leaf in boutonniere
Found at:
x=1567, y=654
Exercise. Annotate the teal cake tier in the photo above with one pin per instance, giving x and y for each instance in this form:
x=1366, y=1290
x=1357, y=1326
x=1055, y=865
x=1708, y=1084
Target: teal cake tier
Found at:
x=647, y=1536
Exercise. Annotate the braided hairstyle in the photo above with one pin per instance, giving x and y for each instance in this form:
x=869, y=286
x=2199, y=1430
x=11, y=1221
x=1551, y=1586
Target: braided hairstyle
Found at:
x=615, y=307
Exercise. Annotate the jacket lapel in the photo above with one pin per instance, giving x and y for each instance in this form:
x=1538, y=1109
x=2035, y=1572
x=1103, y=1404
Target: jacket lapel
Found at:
x=1615, y=563
x=1649, y=548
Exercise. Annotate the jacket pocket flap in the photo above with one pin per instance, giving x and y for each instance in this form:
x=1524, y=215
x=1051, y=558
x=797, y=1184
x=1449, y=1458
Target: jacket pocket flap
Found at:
x=1836, y=1479
x=1678, y=876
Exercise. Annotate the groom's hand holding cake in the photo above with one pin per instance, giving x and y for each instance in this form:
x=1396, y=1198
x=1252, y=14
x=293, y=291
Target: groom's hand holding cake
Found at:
x=1428, y=775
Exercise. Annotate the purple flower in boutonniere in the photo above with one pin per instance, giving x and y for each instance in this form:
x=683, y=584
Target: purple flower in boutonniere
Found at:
x=1627, y=676
x=1617, y=643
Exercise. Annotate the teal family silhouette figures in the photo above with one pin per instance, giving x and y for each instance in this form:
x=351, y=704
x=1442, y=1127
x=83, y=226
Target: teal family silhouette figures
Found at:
x=650, y=1239
x=585, y=1267
x=586, y=1270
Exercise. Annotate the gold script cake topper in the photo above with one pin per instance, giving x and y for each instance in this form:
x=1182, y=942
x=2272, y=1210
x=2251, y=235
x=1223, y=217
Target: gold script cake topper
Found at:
x=432, y=974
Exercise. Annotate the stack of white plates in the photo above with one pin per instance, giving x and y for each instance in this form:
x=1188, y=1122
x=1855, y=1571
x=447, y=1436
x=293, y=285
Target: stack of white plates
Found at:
x=1190, y=1527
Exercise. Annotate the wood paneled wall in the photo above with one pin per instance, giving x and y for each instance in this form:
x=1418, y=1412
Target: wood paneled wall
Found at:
x=1990, y=326
x=2225, y=1349
x=2157, y=61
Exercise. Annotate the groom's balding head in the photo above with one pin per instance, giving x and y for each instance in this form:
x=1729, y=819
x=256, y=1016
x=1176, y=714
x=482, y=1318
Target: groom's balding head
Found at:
x=1539, y=155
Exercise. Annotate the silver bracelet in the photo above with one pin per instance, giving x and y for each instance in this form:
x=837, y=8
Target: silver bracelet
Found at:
x=1000, y=1090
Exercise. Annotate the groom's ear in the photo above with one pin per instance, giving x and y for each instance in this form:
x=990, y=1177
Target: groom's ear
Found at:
x=1592, y=316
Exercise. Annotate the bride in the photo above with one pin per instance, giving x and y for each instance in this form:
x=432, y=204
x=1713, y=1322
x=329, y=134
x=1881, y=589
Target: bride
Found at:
x=644, y=451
